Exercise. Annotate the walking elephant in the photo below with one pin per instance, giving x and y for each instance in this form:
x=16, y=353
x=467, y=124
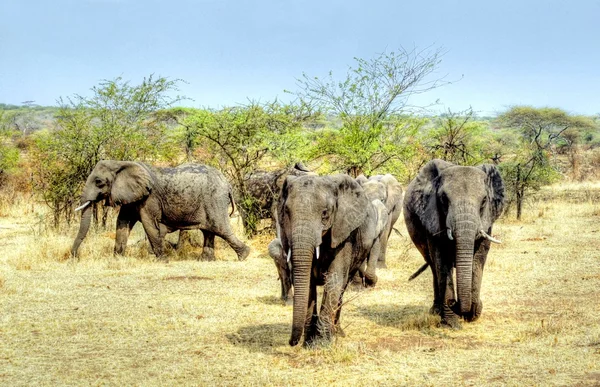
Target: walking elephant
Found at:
x=325, y=234
x=449, y=212
x=191, y=196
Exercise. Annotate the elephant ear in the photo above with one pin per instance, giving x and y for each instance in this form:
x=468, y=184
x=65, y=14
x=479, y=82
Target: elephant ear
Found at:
x=283, y=195
x=351, y=208
x=394, y=192
x=375, y=190
x=495, y=191
x=422, y=198
x=382, y=216
x=132, y=183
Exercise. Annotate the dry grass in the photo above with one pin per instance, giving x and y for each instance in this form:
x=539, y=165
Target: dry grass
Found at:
x=133, y=321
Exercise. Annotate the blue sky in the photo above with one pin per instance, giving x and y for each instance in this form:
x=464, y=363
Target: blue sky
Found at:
x=540, y=53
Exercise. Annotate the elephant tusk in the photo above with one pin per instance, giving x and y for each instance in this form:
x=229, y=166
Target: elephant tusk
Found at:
x=84, y=205
x=318, y=251
x=489, y=238
x=450, y=234
x=289, y=255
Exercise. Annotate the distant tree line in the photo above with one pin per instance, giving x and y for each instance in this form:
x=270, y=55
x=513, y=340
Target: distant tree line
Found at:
x=360, y=123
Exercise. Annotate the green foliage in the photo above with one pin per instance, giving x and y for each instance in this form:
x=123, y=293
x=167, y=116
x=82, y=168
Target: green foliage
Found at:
x=368, y=101
x=456, y=137
x=539, y=130
x=380, y=149
x=9, y=156
x=118, y=121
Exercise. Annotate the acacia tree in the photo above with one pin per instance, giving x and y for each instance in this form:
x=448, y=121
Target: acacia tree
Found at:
x=458, y=138
x=368, y=101
x=540, y=130
x=116, y=122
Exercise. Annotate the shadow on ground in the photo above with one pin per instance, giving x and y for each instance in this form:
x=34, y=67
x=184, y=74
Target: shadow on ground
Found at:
x=408, y=317
x=261, y=338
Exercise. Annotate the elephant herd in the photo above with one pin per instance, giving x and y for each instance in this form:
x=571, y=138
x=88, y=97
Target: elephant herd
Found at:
x=331, y=230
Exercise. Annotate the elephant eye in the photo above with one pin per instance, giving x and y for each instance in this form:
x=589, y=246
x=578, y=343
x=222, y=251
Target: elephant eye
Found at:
x=100, y=182
x=325, y=215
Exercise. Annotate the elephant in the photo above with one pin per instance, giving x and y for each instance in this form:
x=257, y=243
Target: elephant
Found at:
x=327, y=234
x=283, y=269
x=449, y=212
x=190, y=196
x=389, y=191
x=264, y=188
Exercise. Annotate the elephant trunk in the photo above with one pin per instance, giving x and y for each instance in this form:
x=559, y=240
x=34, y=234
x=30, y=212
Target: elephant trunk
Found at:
x=465, y=233
x=302, y=256
x=86, y=218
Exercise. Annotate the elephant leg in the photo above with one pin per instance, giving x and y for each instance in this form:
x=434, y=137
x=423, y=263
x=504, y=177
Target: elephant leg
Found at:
x=481, y=251
x=438, y=299
x=208, y=250
x=336, y=281
x=371, y=269
x=383, y=249
x=184, y=238
x=153, y=231
x=311, y=327
x=443, y=268
x=126, y=219
x=286, y=283
x=241, y=249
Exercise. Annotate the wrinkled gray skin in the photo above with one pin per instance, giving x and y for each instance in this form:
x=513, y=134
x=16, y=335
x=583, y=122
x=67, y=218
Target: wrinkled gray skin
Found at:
x=191, y=196
x=389, y=191
x=283, y=270
x=445, y=208
x=264, y=187
x=325, y=213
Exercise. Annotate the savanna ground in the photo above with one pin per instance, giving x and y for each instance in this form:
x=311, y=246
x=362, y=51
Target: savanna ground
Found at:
x=132, y=321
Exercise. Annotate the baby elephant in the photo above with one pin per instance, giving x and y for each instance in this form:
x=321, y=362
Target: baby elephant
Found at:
x=280, y=258
x=191, y=196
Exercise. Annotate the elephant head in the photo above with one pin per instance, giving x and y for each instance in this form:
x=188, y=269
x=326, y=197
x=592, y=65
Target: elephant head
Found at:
x=315, y=210
x=459, y=204
x=115, y=182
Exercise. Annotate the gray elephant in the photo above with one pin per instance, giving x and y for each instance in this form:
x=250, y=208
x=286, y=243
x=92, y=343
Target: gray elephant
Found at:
x=283, y=269
x=326, y=234
x=389, y=191
x=191, y=196
x=449, y=212
x=264, y=188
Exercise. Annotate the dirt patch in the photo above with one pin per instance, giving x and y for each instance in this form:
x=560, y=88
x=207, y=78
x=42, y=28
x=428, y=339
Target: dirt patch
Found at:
x=187, y=278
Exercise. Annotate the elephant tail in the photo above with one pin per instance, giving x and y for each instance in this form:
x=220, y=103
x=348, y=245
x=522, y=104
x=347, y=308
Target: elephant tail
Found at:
x=418, y=272
x=232, y=203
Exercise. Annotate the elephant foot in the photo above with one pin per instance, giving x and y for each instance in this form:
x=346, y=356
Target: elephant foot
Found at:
x=475, y=312
x=243, y=254
x=436, y=309
x=311, y=332
x=450, y=319
x=208, y=255
x=381, y=265
x=370, y=279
